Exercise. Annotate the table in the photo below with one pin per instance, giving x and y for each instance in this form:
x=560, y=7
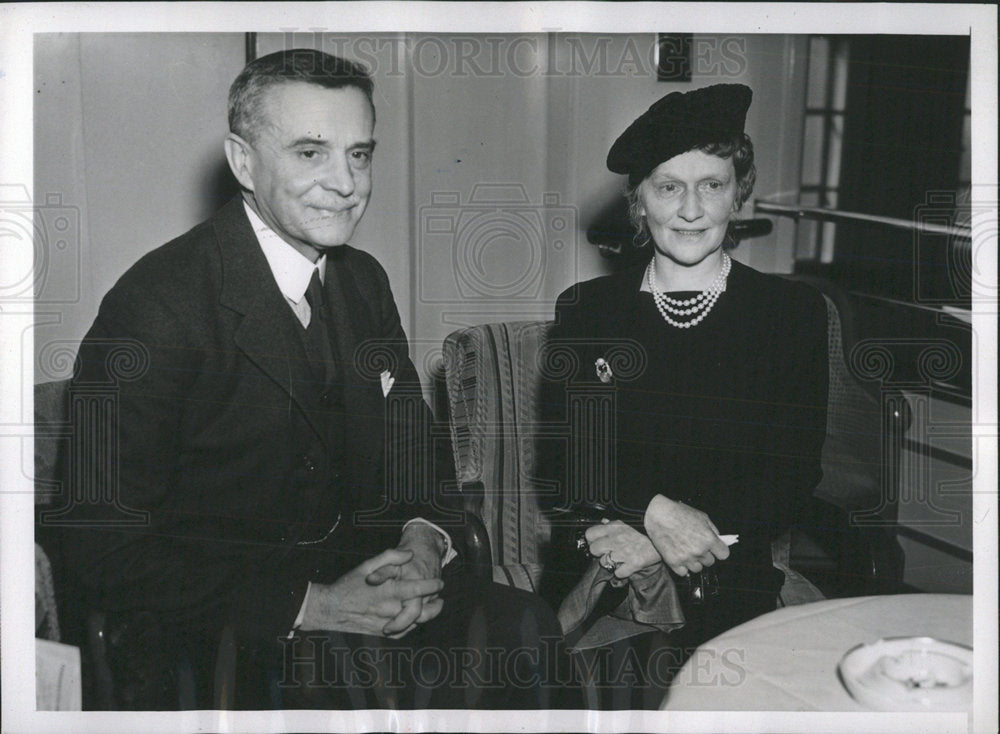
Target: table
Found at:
x=787, y=660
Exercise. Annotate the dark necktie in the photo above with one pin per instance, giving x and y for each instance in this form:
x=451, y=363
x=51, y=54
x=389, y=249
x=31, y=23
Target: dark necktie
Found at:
x=315, y=297
x=318, y=331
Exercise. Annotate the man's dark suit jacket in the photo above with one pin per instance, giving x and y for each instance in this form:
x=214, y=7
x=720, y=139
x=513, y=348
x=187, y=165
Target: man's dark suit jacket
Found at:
x=223, y=438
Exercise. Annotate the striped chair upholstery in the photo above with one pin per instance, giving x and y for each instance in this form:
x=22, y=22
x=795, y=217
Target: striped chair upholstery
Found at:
x=492, y=383
x=492, y=380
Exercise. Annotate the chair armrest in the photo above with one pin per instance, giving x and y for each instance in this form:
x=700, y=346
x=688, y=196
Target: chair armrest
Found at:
x=478, y=555
x=882, y=554
x=882, y=558
x=855, y=559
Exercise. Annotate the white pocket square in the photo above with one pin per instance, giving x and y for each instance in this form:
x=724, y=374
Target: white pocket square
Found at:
x=387, y=382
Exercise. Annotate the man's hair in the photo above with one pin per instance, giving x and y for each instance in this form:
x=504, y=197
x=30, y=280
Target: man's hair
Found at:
x=740, y=149
x=297, y=65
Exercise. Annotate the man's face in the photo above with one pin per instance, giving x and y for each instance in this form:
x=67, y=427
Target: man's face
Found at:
x=309, y=166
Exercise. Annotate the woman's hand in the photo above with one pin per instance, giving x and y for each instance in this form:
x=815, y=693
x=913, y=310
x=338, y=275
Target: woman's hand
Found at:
x=685, y=538
x=630, y=550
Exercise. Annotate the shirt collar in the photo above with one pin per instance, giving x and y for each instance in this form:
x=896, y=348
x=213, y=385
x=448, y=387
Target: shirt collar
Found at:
x=291, y=269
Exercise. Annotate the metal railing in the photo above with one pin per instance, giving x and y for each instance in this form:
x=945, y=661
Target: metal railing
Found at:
x=822, y=214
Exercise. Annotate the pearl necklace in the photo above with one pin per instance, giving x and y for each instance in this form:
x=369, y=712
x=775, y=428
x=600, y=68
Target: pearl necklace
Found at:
x=698, y=306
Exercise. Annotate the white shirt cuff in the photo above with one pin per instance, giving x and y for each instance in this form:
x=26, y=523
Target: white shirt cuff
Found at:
x=302, y=611
x=449, y=555
x=449, y=551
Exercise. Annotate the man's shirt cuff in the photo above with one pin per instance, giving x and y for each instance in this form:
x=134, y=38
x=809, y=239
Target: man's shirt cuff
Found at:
x=449, y=556
x=302, y=611
x=449, y=550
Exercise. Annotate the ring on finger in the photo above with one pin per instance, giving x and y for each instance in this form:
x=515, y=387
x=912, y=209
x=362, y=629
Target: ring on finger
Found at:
x=609, y=563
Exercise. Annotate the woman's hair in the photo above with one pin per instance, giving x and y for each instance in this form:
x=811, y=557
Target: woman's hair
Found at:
x=740, y=150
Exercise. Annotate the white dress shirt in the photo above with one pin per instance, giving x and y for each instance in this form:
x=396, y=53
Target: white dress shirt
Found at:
x=292, y=271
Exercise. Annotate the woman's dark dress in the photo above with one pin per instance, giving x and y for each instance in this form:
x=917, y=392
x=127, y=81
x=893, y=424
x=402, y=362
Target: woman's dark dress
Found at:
x=728, y=416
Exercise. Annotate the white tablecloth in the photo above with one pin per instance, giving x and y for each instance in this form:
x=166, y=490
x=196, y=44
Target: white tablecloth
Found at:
x=787, y=660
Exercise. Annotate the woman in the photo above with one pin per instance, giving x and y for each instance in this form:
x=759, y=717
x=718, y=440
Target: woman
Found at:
x=714, y=379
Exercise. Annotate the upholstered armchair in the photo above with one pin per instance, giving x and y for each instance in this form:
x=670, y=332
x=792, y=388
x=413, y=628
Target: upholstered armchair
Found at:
x=492, y=381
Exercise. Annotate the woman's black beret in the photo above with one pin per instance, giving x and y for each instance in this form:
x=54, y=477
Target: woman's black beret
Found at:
x=677, y=123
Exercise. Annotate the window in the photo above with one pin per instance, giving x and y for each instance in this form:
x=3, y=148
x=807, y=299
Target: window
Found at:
x=886, y=134
x=822, y=134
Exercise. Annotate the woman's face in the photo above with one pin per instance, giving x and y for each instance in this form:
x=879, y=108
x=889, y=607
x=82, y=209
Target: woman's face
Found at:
x=688, y=202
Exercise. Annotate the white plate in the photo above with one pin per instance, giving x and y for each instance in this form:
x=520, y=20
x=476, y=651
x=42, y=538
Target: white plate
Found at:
x=909, y=674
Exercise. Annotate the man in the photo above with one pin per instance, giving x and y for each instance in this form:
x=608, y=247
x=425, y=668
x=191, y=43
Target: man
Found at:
x=281, y=502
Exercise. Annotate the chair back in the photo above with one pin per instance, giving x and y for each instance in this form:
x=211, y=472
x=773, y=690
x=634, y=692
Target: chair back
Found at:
x=51, y=436
x=852, y=451
x=492, y=380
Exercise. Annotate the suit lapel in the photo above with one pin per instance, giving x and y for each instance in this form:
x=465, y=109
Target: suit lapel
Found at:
x=268, y=334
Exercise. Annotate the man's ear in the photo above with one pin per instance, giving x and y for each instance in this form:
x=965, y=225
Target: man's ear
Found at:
x=240, y=159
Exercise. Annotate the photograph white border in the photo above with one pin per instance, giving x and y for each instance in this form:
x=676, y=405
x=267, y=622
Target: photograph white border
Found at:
x=17, y=24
